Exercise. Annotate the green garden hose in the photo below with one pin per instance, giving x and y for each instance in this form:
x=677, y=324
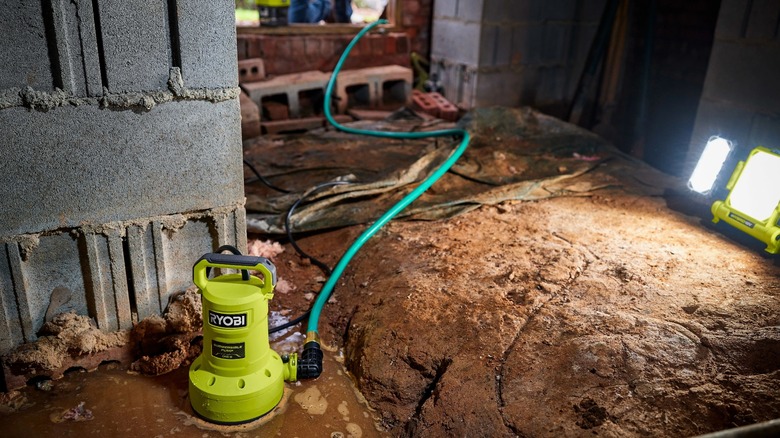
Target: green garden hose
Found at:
x=312, y=336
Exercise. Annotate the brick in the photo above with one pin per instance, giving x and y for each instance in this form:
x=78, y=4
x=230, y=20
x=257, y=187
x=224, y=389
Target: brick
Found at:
x=251, y=70
x=275, y=110
x=378, y=46
x=375, y=80
x=390, y=45
x=297, y=47
x=402, y=44
x=313, y=46
x=445, y=108
x=423, y=102
x=290, y=85
x=250, y=117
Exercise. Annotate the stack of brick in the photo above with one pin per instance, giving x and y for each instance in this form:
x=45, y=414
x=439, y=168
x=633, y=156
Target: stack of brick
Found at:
x=286, y=54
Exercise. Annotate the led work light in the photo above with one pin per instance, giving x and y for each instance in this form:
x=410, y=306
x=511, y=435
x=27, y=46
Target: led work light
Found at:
x=753, y=202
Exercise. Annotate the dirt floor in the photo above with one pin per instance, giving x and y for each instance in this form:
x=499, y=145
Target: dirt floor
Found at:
x=602, y=304
x=609, y=314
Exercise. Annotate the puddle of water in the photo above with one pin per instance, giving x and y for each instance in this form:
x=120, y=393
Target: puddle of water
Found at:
x=127, y=405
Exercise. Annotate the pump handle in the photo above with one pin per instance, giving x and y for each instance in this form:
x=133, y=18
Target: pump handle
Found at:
x=231, y=261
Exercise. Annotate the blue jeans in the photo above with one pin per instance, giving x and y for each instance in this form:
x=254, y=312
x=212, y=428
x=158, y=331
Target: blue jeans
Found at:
x=308, y=11
x=314, y=11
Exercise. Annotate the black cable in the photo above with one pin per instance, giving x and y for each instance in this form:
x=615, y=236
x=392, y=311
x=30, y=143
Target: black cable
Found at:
x=325, y=268
x=288, y=228
x=263, y=180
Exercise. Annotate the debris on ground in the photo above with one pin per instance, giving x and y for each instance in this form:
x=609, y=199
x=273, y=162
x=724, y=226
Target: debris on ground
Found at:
x=264, y=248
x=67, y=341
x=12, y=401
x=76, y=413
x=165, y=343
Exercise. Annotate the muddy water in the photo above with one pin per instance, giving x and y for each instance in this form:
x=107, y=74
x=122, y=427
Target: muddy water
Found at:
x=127, y=405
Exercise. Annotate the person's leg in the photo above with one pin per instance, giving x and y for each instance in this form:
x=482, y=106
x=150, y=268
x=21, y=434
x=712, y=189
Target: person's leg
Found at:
x=320, y=10
x=298, y=11
x=343, y=11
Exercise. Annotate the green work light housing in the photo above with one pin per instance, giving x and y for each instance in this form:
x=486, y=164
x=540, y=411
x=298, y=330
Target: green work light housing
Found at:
x=753, y=202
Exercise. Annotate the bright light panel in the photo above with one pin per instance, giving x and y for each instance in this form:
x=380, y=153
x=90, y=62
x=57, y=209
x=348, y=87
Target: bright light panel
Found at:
x=757, y=191
x=709, y=165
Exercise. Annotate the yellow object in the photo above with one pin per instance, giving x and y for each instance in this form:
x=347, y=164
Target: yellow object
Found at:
x=273, y=3
x=237, y=378
x=273, y=12
x=753, y=203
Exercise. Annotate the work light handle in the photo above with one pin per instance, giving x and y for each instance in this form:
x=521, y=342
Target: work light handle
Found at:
x=231, y=261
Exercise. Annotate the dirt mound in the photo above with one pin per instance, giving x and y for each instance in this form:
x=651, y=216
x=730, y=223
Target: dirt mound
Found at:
x=609, y=314
x=68, y=341
x=168, y=342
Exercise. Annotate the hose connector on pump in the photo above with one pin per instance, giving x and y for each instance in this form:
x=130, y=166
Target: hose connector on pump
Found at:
x=310, y=361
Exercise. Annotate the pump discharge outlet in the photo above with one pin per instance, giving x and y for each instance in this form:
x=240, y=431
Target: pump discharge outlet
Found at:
x=237, y=378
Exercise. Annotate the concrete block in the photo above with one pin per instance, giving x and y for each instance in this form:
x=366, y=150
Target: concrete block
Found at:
x=590, y=12
x=141, y=252
x=75, y=42
x=763, y=20
x=560, y=10
x=11, y=333
x=251, y=70
x=505, y=88
x=136, y=36
x=555, y=43
x=373, y=87
x=497, y=46
x=24, y=57
x=117, y=276
x=458, y=80
x=250, y=118
x=512, y=11
x=288, y=86
x=731, y=17
x=207, y=42
x=456, y=41
x=445, y=8
x=744, y=74
x=526, y=43
x=470, y=10
x=130, y=158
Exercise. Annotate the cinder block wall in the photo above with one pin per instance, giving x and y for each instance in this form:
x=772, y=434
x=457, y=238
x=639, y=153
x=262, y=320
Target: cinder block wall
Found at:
x=741, y=97
x=504, y=52
x=120, y=133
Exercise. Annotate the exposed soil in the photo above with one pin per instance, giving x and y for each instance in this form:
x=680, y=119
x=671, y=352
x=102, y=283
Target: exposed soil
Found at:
x=609, y=314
